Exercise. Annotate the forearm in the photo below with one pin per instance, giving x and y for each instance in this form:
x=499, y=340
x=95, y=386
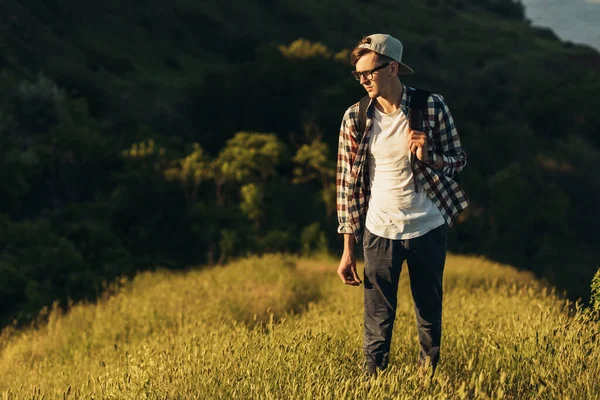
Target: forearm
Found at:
x=450, y=165
x=349, y=243
x=453, y=163
x=438, y=162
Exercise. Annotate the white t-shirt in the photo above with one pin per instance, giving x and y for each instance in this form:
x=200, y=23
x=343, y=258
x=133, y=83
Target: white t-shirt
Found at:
x=396, y=211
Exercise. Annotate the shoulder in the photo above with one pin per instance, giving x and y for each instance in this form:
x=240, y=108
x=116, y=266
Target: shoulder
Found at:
x=351, y=114
x=436, y=104
x=352, y=111
x=434, y=100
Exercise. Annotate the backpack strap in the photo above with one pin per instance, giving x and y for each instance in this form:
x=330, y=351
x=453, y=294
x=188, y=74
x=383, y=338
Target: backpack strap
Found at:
x=417, y=107
x=362, y=117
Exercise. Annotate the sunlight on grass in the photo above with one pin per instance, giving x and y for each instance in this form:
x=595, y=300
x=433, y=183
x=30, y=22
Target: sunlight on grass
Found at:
x=281, y=327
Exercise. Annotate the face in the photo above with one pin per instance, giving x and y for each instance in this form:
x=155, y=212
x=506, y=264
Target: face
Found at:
x=381, y=81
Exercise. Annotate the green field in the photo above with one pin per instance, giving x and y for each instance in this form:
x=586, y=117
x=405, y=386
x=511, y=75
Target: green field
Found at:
x=280, y=327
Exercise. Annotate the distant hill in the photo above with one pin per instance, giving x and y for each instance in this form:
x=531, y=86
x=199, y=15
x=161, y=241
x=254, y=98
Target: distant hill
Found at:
x=141, y=58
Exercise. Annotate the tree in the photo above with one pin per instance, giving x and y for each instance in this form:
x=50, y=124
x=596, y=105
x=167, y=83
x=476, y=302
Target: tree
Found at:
x=247, y=157
x=314, y=163
x=190, y=171
x=248, y=160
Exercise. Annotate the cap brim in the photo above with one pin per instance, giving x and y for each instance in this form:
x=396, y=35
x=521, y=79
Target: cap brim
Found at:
x=404, y=69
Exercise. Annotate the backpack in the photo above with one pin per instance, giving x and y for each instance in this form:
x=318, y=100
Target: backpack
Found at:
x=417, y=106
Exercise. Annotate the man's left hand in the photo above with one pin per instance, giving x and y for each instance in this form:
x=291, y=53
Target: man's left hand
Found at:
x=417, y=144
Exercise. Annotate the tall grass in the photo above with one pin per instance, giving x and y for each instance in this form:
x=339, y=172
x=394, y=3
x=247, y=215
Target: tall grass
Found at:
x=278, y=327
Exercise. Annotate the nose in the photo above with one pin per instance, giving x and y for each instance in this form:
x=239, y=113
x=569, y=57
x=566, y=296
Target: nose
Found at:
x=363, y=80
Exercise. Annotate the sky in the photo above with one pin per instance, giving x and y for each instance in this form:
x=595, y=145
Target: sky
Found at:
x=575, y=20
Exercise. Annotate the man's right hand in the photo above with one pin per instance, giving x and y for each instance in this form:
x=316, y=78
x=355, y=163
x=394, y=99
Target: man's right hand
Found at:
x=347, y=269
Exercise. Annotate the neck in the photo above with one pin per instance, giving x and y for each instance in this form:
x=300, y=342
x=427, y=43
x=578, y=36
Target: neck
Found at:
x=390, y=100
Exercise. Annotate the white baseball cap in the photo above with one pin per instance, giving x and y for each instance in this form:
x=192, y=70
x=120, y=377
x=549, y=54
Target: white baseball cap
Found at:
x=388, y=46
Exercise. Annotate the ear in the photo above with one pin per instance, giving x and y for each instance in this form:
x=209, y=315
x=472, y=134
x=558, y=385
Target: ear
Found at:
x=395, y=68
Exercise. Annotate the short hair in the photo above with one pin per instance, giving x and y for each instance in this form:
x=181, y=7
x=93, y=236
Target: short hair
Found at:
x=358, y=52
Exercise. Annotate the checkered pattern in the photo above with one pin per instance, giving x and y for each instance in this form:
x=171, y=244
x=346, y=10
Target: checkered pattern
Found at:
x=352, y=185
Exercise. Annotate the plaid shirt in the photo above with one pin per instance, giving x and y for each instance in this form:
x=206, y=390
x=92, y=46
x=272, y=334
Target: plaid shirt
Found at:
x=352, y=185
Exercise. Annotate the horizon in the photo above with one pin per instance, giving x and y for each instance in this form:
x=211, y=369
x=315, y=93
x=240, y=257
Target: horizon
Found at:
x=559, y=15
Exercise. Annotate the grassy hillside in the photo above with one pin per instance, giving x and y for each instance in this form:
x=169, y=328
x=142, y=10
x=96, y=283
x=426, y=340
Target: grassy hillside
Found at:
x=284, y=328
x=84, y=86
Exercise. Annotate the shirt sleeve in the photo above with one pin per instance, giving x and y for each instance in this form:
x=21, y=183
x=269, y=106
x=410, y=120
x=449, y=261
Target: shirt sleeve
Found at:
x=453, y=154
x=346, y=149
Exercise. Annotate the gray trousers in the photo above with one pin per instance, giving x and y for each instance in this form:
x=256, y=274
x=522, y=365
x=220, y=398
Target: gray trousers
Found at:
x=425, y=256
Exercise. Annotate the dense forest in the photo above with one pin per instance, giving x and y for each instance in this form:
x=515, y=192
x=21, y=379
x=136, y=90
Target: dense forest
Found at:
x=139, y=134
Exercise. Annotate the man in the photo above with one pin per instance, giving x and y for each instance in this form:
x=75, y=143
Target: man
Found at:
x=396, y=193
